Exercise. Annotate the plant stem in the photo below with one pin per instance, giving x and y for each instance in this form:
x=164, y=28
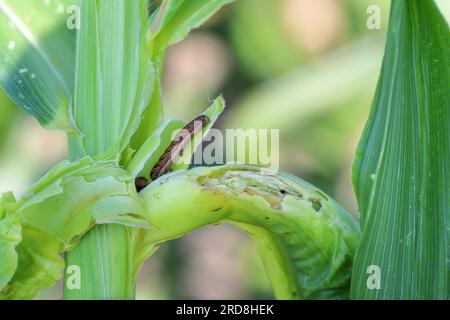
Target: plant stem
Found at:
x=105, y=269
x=104, y=258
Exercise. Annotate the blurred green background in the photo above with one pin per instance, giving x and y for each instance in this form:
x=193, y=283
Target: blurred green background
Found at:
x=306, y=67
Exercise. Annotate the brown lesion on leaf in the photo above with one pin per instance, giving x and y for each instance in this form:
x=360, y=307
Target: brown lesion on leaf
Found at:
x=271, y=189
x=274, y=201
x=250, y=191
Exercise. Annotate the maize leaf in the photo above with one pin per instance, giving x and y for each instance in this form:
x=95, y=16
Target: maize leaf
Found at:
x=170, y=24
x=10, y=237
x=306, y=240
x=53, y=216
x=176, y=18
x=401, y=173
x=37, y=59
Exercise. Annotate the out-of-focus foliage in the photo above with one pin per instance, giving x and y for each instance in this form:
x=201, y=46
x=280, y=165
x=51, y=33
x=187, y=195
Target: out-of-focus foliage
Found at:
x=275, y=36
x=315, y=100
x=7, y=116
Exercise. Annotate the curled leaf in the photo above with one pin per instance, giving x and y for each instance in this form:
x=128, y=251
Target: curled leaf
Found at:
x=305, y=239
x=58, y=210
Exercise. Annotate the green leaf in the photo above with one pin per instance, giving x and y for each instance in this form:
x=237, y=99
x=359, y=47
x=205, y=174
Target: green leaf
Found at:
x=104, y=193
x=58, y=210
x=39, y=265
x=305, y=239
x=401, y=173
x=10, y=236
x=171, y=23
x=176, y=18
x=153, y=116
x=37, y=59
x=114, y=76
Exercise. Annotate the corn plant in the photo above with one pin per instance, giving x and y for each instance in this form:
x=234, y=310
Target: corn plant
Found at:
x=118, y=197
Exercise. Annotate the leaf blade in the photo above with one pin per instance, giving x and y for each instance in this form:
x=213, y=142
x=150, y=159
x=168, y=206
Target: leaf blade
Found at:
x=37, y=68
x=10, y=237
x=400, y=174
x=176, y=18
x=307, y=250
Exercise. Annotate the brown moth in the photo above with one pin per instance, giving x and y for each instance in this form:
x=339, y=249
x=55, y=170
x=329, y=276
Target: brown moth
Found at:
x=176, y=148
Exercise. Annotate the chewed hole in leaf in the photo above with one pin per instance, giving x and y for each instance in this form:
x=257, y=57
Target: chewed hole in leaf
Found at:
x=316, y=204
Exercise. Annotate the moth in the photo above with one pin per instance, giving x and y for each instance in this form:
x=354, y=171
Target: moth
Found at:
x=176, y=148
x=174, y=151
